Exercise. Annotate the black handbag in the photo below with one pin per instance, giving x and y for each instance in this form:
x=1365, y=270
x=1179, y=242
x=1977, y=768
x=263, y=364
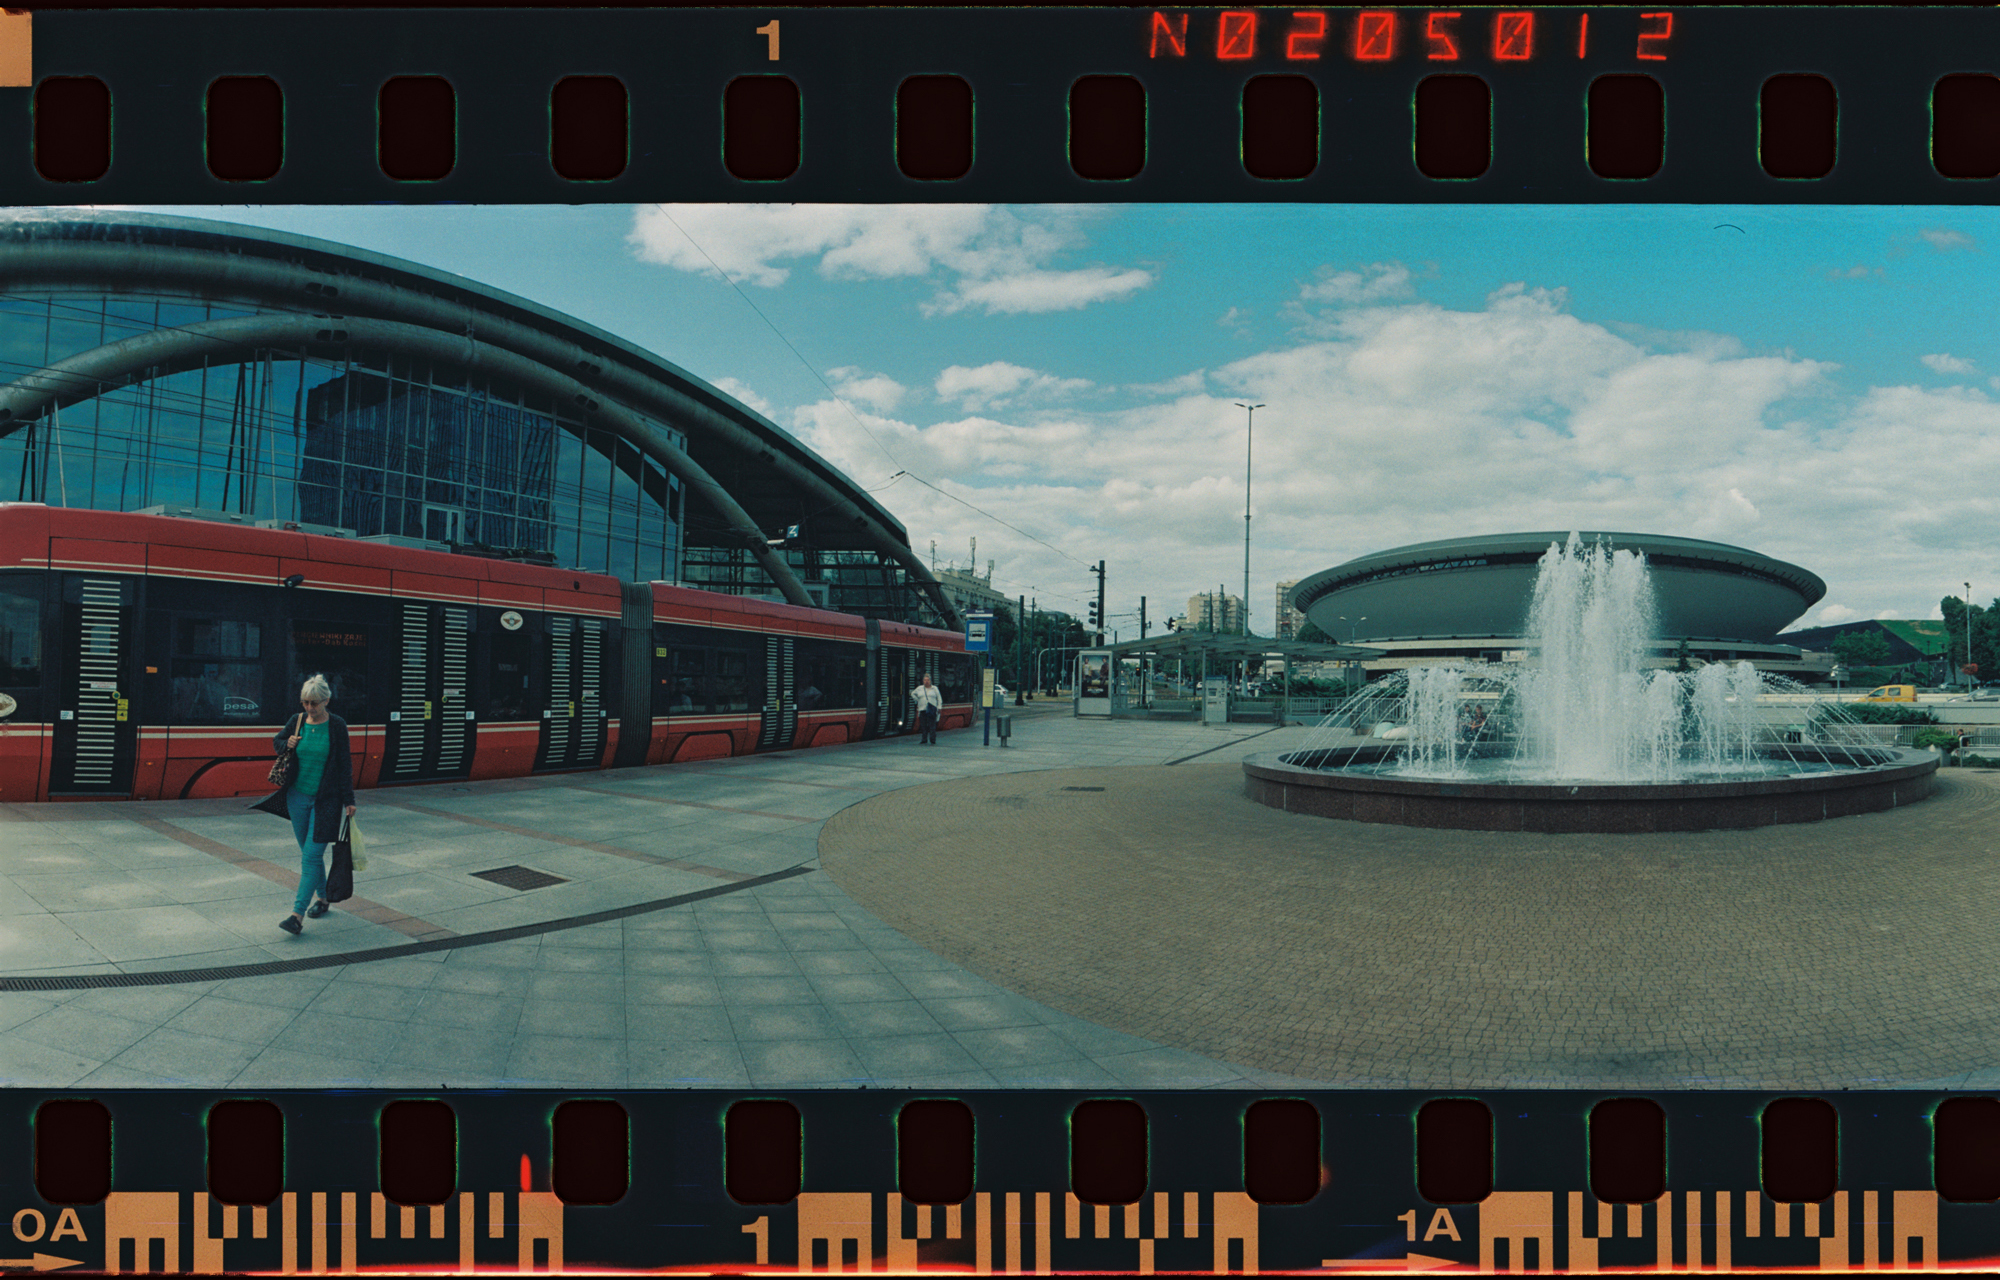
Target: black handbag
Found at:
x=286, y=766
x=340, y=875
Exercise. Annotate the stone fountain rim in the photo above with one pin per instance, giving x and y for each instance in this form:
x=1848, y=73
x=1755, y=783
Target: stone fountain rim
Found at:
x=1911, y=763
x=1589, y=808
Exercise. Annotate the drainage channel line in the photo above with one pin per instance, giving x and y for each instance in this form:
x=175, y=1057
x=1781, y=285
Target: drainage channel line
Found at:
x=1220, y=745
x=89, y=981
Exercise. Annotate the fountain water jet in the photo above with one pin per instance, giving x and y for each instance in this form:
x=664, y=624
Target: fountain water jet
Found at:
x=1582, y=736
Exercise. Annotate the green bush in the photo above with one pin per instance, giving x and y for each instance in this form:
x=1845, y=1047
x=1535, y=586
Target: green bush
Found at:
x=1881, y=713
x=1936, y=738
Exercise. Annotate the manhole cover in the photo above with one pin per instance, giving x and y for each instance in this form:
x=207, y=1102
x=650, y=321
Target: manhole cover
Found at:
x=1083, y=788
x=519, y=878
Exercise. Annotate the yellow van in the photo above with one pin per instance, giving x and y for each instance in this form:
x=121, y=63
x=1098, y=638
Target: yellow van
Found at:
x=1892, y=693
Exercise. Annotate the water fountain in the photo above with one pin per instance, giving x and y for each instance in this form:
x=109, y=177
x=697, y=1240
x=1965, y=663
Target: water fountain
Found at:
x=1583, y=736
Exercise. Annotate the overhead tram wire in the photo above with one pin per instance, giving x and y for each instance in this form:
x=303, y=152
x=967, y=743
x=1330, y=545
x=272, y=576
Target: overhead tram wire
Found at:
x=837, y=398
x=990, y=516
x=841, y=401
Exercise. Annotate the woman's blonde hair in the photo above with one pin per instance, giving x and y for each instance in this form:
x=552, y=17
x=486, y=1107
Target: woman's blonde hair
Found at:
x=317, y=689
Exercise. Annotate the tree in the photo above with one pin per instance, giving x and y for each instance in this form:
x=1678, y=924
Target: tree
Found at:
x=1985, y=635
x=1861, y=648
x=1309, y=633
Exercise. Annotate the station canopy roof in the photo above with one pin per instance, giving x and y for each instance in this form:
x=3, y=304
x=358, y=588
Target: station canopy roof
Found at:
x=1217, y=646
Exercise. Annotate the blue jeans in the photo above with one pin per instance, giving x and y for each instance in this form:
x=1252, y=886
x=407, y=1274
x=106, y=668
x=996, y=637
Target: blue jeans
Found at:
x=312, y=853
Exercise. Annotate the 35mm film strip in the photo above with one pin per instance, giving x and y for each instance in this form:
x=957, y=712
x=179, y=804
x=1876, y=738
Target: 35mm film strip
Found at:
x=1646, y=105
x=1041, y=105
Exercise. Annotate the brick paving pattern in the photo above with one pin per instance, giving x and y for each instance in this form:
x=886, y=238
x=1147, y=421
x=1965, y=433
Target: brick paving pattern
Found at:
x=1853, y=953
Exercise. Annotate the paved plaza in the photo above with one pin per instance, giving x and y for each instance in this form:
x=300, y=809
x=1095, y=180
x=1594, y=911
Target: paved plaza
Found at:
x=1094, y=906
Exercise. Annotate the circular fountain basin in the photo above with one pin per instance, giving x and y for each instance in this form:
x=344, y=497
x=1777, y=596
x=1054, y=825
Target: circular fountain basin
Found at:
x=1862, y=780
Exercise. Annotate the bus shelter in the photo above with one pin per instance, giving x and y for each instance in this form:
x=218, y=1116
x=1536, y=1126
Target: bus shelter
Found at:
x=1184, y=662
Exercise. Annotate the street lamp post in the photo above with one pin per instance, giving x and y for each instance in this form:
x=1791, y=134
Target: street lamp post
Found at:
x=1249, y=428
x=1968, y=634
x=1353, y=630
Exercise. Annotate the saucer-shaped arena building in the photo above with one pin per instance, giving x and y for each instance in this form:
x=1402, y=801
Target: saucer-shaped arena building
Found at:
x=1466, y=600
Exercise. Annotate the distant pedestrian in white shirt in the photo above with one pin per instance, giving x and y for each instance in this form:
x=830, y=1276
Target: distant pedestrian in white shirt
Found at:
x=928, y=701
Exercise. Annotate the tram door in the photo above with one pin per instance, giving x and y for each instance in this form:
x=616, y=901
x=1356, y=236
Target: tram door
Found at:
x=97, y=728
x=781, y=707
x=892, y=671
x=574, y=712
x=431, y=730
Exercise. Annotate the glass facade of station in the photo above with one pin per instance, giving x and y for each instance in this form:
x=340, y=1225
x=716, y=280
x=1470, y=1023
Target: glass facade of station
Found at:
x=375, y=444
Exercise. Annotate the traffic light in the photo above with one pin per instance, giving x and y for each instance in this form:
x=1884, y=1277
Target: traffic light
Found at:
x=1094, y=619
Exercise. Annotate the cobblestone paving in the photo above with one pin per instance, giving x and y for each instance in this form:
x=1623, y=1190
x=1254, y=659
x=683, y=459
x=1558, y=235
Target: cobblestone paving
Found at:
x=1856, y=953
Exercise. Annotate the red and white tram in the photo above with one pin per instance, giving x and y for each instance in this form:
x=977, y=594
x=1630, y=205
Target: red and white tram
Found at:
x=153, y=657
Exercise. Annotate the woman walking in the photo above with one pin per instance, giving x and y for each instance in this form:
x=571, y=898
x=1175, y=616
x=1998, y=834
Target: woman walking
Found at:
x=323, y=786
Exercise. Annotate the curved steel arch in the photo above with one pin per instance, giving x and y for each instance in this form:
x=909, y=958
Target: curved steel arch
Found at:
x=143, y=357
x=99, y=265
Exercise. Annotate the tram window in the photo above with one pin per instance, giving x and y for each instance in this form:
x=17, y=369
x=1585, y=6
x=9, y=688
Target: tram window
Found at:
x=829, y=676
x=218, y=671
x=687, y=673
x=507, y=678
x=338, y=651
x=20, y=639
x=732, y=680
x=955, y=678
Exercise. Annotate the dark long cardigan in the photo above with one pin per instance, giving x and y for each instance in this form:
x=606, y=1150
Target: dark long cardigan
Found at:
x=336, y=785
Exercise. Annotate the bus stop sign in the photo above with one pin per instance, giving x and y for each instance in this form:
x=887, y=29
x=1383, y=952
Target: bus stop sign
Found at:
x=978, y=632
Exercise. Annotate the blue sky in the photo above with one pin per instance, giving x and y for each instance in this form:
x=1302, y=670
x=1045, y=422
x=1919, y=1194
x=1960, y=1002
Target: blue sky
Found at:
x=1813, y=383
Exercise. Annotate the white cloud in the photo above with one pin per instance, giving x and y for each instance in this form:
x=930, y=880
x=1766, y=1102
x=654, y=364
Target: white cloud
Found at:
x=742, y=391
x=995, y=385
x=1944, y=239
x=1830, y=614
x=1947, y=364
x=1402, y=423
x=986, y=258
x=878, y=391
x=1376, y=282
x=1186, y=384
x=1237, y=320
x=1852, y=273
x=1037, y=291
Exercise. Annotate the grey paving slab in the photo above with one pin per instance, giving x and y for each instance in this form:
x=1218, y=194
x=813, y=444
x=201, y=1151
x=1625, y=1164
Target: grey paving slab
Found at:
x=80, y=1031
x=763, y=1023
x=689, y=1063
x=493, y=1013
x=26, y=1064
x=349, y=1037
x=803, y=1063
x=144, y=1004
x=792, y=983
x=222, y=1018
x=39, y=943
x=568, y=1060
x=187, y=1058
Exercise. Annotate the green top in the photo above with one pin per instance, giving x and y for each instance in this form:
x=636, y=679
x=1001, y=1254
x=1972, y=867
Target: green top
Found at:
x=315, y=744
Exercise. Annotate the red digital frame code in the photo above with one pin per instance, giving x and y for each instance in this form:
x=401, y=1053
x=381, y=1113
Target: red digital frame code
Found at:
x=1374, y=36
x=1513, y=37
x=1176, y=36
x=1439, y=38
x=1663, y=27
x=1236, y=35
x=1308, y=33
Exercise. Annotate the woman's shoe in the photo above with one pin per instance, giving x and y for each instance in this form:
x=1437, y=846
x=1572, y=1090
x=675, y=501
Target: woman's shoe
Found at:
x=290, y=924
x=318, y=908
